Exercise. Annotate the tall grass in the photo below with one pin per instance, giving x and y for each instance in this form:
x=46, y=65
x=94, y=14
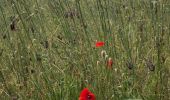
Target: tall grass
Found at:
x=47, y=49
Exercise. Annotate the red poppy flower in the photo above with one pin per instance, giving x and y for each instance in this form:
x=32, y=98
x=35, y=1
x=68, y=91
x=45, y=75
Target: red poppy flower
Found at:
x=110, y=63
x=86, y=95
x=99, y=44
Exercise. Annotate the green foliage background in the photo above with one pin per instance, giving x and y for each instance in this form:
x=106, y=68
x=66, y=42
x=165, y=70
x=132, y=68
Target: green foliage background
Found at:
x=50, y=53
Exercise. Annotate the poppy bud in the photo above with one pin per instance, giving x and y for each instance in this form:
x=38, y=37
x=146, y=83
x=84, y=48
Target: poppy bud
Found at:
x=110, y=62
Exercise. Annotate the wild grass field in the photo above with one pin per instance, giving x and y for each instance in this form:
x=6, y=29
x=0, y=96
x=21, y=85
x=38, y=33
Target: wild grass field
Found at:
x=48, y=49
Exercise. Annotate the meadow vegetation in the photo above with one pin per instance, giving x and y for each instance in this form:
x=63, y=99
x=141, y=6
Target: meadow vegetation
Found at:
x=48, y=52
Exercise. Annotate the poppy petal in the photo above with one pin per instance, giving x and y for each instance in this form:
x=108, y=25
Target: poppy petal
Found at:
x=86, y=95
x=84, y=92
x=99, y=44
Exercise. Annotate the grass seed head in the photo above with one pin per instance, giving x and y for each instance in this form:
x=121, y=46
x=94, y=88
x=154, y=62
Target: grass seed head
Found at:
x=45, y=44
x=71, y=14
x=150, y=64
x=103, y=53
x=106, y=57
x=13, y=25
x=129, y=64
x=38, y=57
x=4, y=36
x=98, y=62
